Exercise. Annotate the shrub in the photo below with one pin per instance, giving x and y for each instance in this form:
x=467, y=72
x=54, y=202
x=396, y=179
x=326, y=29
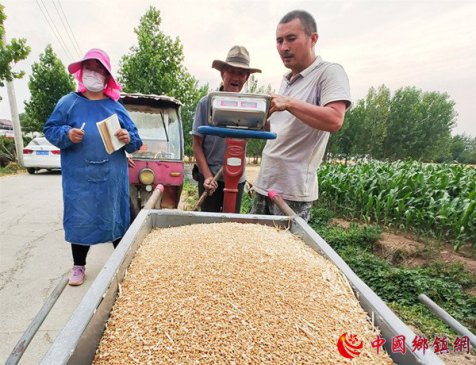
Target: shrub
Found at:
x=7, y=151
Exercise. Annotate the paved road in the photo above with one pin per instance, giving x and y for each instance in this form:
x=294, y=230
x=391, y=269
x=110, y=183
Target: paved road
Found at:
x=33, y=257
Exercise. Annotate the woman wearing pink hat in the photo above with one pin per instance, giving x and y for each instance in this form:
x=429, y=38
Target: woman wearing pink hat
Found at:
x=95, y=183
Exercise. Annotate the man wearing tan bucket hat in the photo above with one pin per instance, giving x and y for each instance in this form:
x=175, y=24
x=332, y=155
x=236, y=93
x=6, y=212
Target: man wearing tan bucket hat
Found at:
x=209, y=150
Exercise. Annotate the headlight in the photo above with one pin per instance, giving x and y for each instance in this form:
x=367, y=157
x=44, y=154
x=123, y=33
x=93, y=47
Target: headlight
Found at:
x=146, y=176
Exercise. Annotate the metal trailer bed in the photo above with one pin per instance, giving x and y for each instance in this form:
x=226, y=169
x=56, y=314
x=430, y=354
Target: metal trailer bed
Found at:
x=78, y=340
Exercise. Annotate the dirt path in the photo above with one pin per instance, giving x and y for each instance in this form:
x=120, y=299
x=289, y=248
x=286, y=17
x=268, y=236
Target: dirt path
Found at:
x=413, y=251
x=252, y=173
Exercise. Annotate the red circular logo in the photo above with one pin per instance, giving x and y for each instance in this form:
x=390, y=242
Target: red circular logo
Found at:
x=349, y=346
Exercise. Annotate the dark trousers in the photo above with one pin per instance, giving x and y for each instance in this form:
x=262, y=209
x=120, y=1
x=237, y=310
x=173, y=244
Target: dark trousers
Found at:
x=214, y=203
x=81, y=251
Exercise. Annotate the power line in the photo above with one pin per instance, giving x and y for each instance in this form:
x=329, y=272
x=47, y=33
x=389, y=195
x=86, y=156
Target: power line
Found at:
x=75, y=42
x=53, y=28
x=71, y=42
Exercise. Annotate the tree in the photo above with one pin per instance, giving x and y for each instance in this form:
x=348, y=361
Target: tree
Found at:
x=375, y=122
x=10, y=53
x=398, y=127
x=365, y=126
x=419, y=125
x=253, y=87
x=344, y=142
x=48, y=82
x=463, y=149
x=155, y=66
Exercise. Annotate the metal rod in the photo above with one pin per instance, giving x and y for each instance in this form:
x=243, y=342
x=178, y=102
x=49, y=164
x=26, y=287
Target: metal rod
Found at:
x=205, y=193
x=276, y=198
x=35, y=324
x=447, y=318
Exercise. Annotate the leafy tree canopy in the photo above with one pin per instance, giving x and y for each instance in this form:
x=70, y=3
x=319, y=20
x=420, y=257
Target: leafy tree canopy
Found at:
x=155, y=66
x=10, y=53
x=411, y=124
x=252, y=86
x=463, y=149
x=48, y=82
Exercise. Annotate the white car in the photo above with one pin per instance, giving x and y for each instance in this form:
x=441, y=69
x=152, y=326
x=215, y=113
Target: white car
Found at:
x=41, y=154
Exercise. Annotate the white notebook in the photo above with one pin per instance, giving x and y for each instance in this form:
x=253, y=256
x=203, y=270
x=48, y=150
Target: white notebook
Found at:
x=107, y=128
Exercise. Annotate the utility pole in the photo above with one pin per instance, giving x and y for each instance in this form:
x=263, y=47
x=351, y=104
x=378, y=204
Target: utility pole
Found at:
x=15, y=118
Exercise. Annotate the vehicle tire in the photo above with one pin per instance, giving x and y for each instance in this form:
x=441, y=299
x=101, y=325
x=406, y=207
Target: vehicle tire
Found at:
x=31, y=171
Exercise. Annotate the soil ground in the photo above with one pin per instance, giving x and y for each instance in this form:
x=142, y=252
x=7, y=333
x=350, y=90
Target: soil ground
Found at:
x=404, y=249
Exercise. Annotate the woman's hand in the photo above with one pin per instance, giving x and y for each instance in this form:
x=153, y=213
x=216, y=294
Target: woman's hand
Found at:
x=76, y=135
x=123, y=136
x=130, y=162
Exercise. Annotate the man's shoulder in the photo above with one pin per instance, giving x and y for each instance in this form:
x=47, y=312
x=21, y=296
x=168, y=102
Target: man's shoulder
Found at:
x=327, y=71
x=204, y=100
x=199, y=117
x=325, y=66
x=202, y=104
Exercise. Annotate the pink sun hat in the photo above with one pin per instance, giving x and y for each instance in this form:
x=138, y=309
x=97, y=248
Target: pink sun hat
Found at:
x=112, y=88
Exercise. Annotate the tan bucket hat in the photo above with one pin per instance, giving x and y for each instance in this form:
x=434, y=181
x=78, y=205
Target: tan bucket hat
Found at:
x=239, y=57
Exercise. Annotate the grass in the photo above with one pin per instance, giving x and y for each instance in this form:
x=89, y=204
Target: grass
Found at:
x=190, y=198
x=11, y=169
x=399, y=286
x=189, y=195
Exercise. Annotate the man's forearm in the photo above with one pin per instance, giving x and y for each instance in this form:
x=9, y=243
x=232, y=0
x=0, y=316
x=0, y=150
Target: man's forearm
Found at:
x=326, y=118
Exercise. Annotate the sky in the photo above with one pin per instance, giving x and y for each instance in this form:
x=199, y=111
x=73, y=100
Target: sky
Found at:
x=428, y=44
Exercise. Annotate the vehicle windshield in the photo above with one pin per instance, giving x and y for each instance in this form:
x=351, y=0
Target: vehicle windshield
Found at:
x=160, y=131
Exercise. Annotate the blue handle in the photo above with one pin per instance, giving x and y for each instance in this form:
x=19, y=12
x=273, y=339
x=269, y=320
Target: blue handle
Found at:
x=235, y=133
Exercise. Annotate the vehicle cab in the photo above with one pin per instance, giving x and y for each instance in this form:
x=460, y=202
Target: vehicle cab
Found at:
x=160, y=159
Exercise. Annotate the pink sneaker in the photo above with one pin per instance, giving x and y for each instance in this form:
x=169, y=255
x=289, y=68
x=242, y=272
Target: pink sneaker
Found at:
x=77, y=275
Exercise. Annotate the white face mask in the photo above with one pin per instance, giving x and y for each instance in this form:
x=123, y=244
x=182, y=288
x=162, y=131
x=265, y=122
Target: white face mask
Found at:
x=93, y=81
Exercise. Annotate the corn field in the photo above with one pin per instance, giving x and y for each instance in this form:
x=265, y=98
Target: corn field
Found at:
x=433, y=199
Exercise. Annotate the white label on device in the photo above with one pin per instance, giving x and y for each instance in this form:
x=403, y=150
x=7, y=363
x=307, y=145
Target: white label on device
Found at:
x=233, y=161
